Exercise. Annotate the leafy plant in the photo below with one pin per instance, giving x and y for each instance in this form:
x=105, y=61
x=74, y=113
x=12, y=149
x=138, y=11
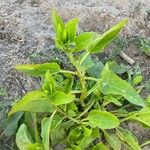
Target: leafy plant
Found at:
x=84, y=108
x=143, y=44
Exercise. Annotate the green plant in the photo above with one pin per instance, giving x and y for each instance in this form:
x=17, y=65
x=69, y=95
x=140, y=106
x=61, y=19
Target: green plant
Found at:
x=84, y=108
x=143, y=44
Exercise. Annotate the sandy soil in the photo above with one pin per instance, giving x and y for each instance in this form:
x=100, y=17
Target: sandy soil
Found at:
x=26, y=35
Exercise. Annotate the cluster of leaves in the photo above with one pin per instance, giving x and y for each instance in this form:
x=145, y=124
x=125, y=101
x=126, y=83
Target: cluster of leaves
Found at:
x=84, y=108
x=143, y=44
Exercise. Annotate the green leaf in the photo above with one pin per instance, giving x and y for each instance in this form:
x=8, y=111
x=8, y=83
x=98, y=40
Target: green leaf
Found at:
x=100, y=146
x=38, y=69
x=46, y=127
x=83, y=41
x=10, y=124
x=95, y=70
x=80, y=136
x=23, y=138
x=59, y=34
x=58, y=44
x=71, y=109
x=30, y=121
x=113, y=141
x=35, y=146
x=75, y=135
x=110, y=83
x=57, y=120
x=142, y=116
x=75, y=147
x=35, y=101
x=68, y=83
x=148, y=101
x=87, y=139
x=60, y=98
x=56, y=20
x=118, y=68
x=102, y=119
x=138, y=79
x=87, y=63
x=58, y=135
x=71, y=27
x=65, y=36
x=99, y=44
x=49, y=84
x=96, y=133
x=128, y=138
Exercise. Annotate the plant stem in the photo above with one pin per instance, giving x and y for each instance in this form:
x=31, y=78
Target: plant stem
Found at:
x=85, y=119
x=67, y=116
x=92, y=89
x=125, y=119
x=145, y=143
x=86, y=110
x=72, y=60
x=75, y=91
x=81, y=75
x=83, y=91
x=91, y=78
x=67, y=71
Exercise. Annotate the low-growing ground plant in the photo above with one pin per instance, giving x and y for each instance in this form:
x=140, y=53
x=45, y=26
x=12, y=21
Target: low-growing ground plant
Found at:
x=143, y=44
x=84, y=108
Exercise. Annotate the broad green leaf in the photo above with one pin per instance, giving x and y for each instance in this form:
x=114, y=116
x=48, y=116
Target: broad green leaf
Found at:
x=71, y=27
x=71, y=109
x=118, y=68
x=100, y=146
x=23, y=138
x=58, y=135
x=87, y=138
x=75, y=135
x=30, y=121
x=68, y=83
x=38, y=69
x=110, y=83
x=80, y=136
x=35, y=101
x=99, y=44
x=59, y=35
x=102, y=119
x=46, y=127
x=57, y=120
x=60, y=98
x=95, y=70
x=83, y=41
x=56, y=20
x=85, y=142
x=128, y=138
x=10, y=124
x=87, y=63
x=113, y=141
x=96, y=133
x=49, y=84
